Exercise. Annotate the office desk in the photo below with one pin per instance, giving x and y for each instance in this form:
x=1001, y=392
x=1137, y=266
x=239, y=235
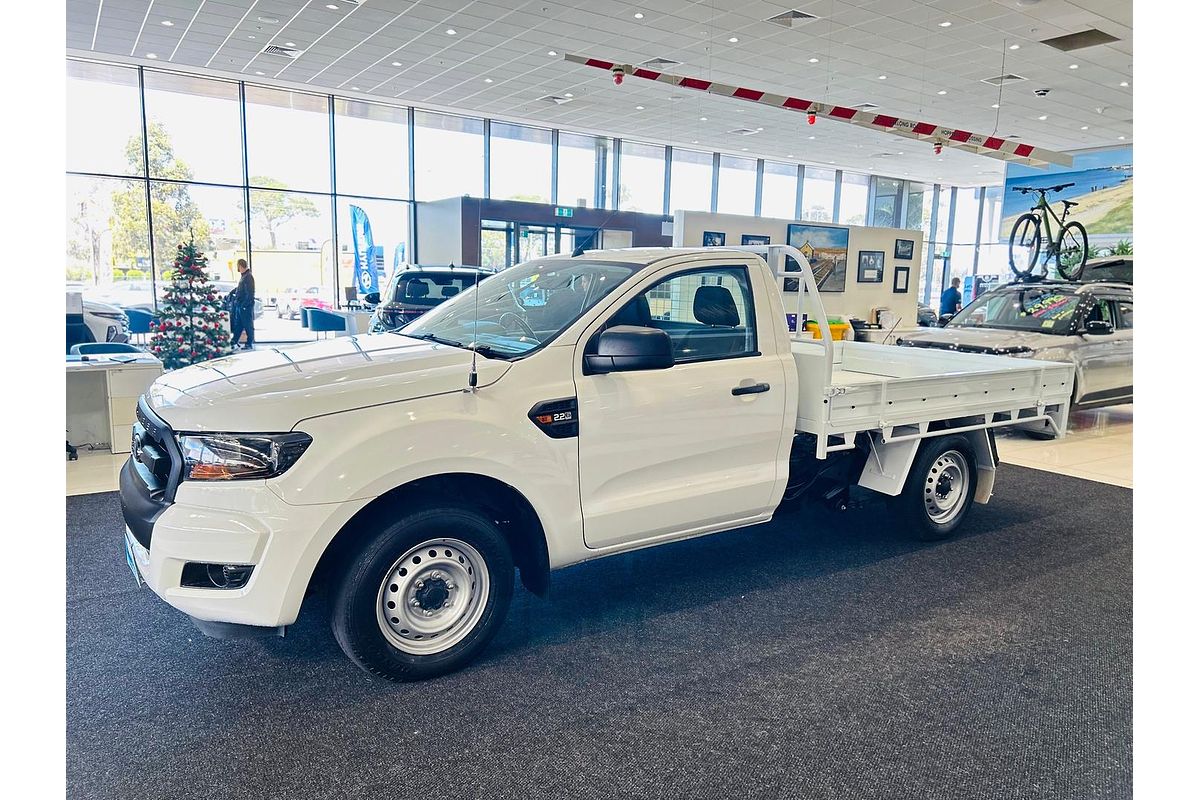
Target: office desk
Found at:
x=102, y=395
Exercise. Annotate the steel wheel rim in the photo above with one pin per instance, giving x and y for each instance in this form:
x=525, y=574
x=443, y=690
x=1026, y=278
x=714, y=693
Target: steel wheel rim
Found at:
x=433, y=596
x=946, y=487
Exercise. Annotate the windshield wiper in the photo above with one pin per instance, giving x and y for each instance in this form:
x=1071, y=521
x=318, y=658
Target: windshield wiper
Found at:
x=483, y=349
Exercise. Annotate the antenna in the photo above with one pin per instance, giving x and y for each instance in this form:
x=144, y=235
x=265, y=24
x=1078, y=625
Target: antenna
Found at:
x=473, y=375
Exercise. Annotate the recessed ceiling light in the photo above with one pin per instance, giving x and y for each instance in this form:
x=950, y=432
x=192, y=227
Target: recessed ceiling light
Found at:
x=354, y=89
x=268, y=20
x=487, y=80
x=883, y=77
x=397, y=64
x=789, y=155
x=289, y=44
x=168, y=23
x=259, y=72
x=638, y=15
x=1124, y=84
x=995, y=105
x=451, y=32
x=945, y=24
x=568, y=94
x=812, y=137
x=552, y=53
x=1073, y=66
x=1083, y=127
x=733, y=39
x=704, y=119
x=1014, y=47
x=697, y=141
x=758, y=129
x=814, y=60
x=943, y=91
x=331, y=6
x=743, y=149
x=640, y=108
x=251, y=36
x=1120, y=137
x=151, y=55
x=1042, y=117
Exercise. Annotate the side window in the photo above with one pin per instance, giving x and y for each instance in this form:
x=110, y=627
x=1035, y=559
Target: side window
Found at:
x=1103, y=311
x=708, y=313
x=1126, y=310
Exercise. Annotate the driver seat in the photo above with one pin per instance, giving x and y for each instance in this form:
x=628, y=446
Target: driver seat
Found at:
x=724, y=335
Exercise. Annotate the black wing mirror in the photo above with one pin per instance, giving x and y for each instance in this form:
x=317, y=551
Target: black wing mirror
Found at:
x=371, y=298
x=1098, y=327
x=625, y=348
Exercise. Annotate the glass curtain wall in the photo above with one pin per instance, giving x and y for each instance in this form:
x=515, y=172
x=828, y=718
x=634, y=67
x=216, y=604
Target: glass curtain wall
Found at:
x=691, y=180
x=643, y=176
x=520, y=163
x=736, y=185
x=585, y=170
x=310, y=221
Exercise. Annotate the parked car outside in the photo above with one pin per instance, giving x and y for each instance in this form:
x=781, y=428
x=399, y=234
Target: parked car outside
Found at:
x=1087, y=324
x=225, y=287
x=411, y=292
x=291, y=301
x=926, y=316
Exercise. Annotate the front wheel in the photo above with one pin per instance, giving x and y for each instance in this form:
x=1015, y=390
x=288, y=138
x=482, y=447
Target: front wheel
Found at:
x=425, y=595
x=1072, y=251
x=940, y=489
x=1025, y=245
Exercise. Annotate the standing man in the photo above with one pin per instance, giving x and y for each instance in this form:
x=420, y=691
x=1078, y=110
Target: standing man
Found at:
x=242, y=313
x=951, y=299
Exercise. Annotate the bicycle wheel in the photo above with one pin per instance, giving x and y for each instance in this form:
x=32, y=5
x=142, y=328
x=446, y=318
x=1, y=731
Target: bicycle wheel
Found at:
x=1072, y=251
x=1024, y=245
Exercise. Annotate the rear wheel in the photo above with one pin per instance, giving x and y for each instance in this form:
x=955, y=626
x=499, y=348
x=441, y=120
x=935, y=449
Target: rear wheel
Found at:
x=940, y=489
x=1025, y=245
x=425, y=595
x=1072, y=251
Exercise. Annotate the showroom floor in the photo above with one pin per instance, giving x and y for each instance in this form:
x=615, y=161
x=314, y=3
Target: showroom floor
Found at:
x=1098, y=446
x=818, y=656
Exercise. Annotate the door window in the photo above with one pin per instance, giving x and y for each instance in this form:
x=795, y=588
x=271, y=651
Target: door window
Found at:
x=708, y=313
x=1125, y=308
x=1103, y=311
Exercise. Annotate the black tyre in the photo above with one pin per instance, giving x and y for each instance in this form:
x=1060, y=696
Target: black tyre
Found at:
x=1072, y=251
x=940, y=489
x=425, y=595
x=1025, y=245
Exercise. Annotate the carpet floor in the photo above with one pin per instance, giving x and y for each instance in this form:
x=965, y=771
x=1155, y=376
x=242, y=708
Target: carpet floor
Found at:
x=819, y=656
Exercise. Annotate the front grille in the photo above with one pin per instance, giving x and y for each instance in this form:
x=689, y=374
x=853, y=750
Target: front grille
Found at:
x=157, y=453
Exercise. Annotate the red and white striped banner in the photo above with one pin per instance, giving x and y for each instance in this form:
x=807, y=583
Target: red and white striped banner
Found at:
x=978, y=143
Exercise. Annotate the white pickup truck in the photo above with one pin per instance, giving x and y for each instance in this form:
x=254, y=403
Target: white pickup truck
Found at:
x=571, y=408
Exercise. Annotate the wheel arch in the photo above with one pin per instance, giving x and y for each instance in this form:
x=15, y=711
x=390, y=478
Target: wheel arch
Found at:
x=507, y=506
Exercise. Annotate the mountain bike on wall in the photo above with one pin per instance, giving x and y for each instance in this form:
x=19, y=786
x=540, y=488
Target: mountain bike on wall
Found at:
x=1069, y=248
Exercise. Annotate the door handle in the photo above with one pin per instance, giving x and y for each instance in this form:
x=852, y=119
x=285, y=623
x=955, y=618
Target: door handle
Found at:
x=757, y=388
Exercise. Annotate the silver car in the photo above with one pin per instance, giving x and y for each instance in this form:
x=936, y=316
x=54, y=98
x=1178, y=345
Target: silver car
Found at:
x=1087, y=324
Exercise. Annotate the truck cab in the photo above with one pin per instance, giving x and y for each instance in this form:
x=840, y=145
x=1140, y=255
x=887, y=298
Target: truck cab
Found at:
x=565, y=409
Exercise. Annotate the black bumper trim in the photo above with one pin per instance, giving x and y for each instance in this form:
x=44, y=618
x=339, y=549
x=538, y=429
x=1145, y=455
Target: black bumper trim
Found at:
x=138, y=505
x=233, y=630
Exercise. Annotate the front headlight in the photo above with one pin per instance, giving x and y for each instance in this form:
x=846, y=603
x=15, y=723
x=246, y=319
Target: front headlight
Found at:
x=227, y=457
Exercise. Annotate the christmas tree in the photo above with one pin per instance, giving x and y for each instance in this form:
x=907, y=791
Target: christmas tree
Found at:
x=191, y=325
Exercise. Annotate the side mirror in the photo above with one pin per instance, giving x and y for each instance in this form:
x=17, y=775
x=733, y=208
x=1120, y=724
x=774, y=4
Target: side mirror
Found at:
x=943, y=319
x=371, y=298
x=626, y=348
x=1098, y=327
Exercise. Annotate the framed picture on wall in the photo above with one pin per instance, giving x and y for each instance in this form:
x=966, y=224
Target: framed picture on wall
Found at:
x=870, y=266
x=713, y=239
x=904, y=249
x=754, y=238
x=826, y=248
x=900, y=281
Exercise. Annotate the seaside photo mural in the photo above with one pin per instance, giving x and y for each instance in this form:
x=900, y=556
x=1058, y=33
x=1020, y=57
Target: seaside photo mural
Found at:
x=1103, y=188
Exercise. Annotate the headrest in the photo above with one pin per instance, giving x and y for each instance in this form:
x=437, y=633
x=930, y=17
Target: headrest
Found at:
x=635, y=312
x=417, y=289
x=714, y=306
x=449, y=291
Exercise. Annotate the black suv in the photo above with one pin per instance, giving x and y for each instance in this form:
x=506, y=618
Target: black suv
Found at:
x=412, y=291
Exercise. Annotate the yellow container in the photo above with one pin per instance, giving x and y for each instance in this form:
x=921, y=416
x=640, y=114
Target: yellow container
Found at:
x=837, y=330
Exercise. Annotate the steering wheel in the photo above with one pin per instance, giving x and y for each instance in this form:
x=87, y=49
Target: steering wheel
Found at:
x=520, y=323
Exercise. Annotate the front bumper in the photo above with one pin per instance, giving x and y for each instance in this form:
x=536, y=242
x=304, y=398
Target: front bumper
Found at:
x=242, y=522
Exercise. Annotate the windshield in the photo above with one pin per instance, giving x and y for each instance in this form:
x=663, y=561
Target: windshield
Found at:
x=521, y=308
x=1036, y=308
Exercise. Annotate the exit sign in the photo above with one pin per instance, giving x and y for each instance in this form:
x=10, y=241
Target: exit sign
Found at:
x=559, y=211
